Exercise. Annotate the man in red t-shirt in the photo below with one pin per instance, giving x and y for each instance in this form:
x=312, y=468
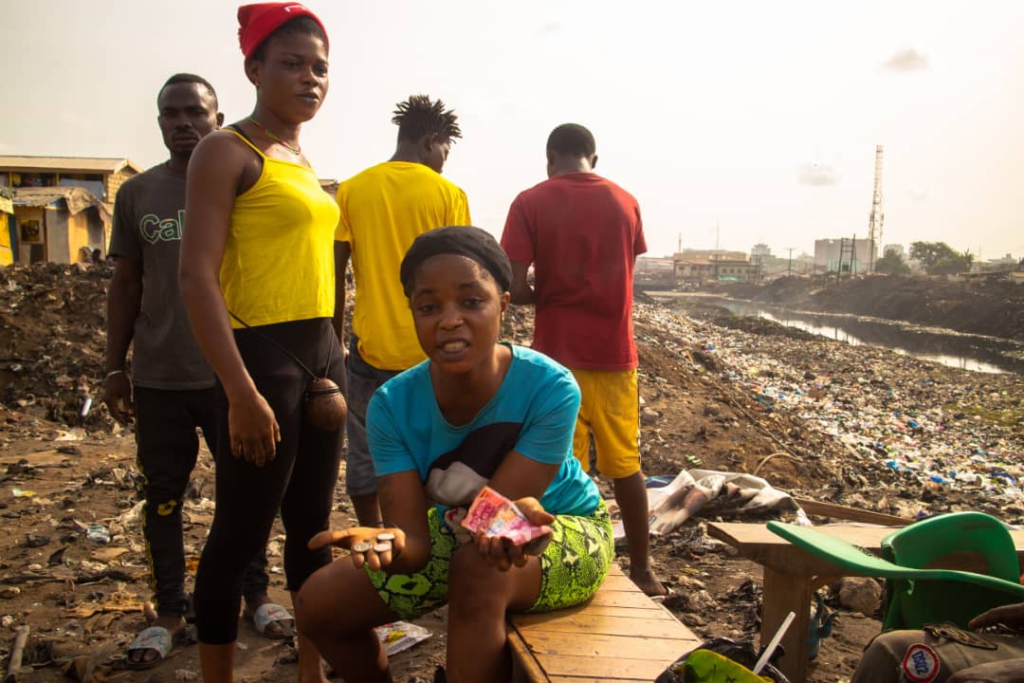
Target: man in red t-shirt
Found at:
x=582, y=234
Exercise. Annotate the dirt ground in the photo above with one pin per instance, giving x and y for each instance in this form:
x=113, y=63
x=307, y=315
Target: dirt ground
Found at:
x=851, y=425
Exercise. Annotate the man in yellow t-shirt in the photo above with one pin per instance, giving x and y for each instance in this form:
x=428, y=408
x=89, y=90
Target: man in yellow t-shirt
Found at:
x=383, y=209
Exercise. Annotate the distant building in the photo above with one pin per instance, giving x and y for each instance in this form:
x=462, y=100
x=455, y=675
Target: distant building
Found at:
x=61, y=206
x=701, y=265
x=1005, y=264
x=845, y=255
x=1007, y=260
x=761, y=250
x=710, y=254
x=738, y=270
x=100, y=176
x=692, y=269
x=57, y=224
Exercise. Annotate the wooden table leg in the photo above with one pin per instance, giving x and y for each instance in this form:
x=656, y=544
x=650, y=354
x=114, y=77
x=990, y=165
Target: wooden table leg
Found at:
x=785, y=593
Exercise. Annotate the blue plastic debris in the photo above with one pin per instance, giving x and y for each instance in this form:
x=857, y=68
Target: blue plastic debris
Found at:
x=1005, y=475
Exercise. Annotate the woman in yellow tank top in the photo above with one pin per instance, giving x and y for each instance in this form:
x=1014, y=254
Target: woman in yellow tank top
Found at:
x=257, y=278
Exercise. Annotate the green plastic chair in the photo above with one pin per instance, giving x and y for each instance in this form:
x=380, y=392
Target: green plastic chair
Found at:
x=928, y=594
x=933, y=543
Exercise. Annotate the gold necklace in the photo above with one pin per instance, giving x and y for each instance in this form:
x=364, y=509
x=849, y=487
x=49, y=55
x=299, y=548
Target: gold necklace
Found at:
x=270, y=134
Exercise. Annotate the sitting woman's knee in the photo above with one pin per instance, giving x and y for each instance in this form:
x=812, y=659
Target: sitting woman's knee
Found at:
x=313, y=617
x=338, y=603
x=474, y=587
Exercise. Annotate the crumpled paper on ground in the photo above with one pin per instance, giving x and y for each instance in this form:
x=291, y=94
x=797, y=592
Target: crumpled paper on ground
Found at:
x=399, y=636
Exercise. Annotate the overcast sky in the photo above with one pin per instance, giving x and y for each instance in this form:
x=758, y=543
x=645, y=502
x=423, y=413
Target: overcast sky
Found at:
x=759, y=117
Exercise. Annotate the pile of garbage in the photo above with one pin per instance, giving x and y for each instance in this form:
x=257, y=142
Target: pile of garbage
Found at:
x=52, y=342
x=922, y=431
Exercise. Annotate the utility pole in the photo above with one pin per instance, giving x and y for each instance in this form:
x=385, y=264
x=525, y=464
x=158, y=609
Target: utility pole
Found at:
x=716, y=254
x=790, y=261
x=877, y=217
x=842, y=250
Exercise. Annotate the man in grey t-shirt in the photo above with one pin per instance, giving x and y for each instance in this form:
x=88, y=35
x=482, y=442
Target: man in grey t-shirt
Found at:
x=170, y=392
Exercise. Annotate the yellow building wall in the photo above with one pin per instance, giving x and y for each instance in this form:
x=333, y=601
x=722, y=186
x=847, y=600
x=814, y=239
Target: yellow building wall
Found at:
x=78, y=236
x=6, y=248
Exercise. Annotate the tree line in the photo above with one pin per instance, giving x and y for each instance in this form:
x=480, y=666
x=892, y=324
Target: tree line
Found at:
x=938, y=258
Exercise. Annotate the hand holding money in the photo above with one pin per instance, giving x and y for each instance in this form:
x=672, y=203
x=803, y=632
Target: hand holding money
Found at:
x=508, y=532
x=368, y=545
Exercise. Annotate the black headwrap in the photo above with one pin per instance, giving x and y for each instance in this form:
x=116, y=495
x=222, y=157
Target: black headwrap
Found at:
x=461, y=240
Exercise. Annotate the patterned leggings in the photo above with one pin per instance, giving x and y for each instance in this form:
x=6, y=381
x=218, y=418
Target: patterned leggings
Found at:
x=573, y=566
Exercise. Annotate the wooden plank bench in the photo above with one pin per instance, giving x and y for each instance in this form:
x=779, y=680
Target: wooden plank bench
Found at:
x=619, y=635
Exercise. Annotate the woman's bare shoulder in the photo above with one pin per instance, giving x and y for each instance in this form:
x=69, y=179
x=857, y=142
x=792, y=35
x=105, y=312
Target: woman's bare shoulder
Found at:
x=223, y=142
x=222, y=153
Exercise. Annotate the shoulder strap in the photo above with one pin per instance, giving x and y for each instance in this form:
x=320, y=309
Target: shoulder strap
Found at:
x=245, y=138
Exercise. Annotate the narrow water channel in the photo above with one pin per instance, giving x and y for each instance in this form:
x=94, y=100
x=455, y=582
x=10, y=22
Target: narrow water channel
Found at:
x=955, y=349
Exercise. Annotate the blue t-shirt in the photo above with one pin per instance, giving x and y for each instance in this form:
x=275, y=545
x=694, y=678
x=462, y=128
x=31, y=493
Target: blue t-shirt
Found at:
x=533, y=412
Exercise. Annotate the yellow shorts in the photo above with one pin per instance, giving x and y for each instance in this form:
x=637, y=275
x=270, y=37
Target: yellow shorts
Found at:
x=610, y=409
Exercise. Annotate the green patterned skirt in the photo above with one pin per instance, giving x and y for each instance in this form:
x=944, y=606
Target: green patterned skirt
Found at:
x=573, y=566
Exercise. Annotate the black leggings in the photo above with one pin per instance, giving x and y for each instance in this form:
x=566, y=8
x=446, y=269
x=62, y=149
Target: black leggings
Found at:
x=300, y=480
x=166, y=422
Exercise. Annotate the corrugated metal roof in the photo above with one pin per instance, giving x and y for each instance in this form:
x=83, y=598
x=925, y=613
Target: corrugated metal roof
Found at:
x=76, y=198
x=66, y=164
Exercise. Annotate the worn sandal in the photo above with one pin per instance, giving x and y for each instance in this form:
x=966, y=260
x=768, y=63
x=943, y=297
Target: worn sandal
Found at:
x=155, y=638
x=270, y=613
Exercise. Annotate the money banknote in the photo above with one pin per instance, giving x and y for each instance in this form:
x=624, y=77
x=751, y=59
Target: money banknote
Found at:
x=495, y=515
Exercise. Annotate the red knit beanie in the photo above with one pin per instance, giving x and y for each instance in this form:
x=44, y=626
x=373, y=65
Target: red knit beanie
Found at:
x=256, y=22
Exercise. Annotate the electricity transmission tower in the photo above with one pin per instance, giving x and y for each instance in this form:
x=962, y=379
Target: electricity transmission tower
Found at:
x=877, y=217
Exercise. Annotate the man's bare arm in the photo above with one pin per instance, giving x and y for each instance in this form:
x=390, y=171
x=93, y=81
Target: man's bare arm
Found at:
x=342, y=253
x=124, y=301
x=522, y=293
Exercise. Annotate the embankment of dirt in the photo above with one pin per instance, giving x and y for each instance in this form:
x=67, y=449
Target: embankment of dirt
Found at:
x=989, y=307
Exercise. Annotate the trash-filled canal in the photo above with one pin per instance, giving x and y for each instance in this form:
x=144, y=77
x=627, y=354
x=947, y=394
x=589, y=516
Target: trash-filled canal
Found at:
x=955, y=349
